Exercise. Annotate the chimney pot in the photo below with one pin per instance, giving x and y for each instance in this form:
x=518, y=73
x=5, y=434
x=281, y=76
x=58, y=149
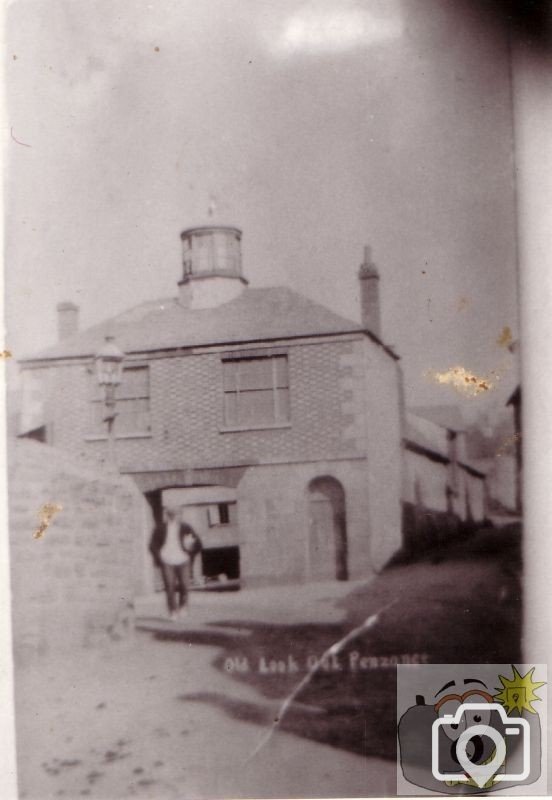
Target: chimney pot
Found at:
x=68, y=319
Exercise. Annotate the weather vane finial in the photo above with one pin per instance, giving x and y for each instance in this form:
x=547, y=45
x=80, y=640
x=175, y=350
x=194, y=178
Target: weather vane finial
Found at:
x=212, y=207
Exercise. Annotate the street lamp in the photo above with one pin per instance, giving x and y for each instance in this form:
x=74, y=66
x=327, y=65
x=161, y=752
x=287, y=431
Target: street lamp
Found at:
x=109, y=371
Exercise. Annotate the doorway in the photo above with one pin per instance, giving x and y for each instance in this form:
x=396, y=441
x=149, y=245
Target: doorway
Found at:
x=327, y=536
x=211, y=511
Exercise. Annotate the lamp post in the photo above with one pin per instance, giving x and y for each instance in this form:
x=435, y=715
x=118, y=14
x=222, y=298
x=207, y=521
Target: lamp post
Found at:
x=109, y=371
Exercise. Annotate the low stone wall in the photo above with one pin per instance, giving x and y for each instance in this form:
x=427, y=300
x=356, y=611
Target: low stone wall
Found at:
x=77, y=549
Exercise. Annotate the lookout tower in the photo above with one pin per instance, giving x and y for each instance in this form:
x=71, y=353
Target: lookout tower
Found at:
x=211, y=266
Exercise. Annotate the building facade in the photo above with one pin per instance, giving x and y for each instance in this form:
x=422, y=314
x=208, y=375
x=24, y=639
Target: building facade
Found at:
x=274, y=424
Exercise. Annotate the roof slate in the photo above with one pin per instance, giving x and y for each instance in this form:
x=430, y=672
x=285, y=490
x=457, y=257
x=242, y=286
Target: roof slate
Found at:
x=255, y=315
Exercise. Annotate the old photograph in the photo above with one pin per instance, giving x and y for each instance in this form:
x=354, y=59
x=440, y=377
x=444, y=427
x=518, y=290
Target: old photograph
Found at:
x=265, y=432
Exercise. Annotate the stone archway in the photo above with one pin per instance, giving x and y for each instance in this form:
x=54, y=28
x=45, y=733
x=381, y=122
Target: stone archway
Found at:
x=210, y=510
x=327, y=535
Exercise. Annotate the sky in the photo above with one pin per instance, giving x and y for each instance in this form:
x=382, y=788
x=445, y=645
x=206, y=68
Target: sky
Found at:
x=315, y=127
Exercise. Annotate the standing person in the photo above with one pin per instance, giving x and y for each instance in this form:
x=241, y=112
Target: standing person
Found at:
x=169, y=550
x=194, y=546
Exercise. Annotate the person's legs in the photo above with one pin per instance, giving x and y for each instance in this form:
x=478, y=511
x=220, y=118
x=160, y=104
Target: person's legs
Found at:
x=196, y=569
x=182, y=577
x=168, y=574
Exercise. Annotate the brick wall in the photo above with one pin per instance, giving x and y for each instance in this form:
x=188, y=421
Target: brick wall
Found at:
x=187, y=407
x=72, y=586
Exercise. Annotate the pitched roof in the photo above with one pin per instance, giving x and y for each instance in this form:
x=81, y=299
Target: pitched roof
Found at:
x=255, y=315
x=425, y=434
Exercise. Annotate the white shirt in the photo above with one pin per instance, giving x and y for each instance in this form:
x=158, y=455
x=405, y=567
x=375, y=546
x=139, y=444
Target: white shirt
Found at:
x=172, y=552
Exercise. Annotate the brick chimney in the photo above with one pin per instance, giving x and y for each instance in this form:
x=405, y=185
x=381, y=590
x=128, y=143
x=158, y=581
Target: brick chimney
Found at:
x=369, y=294
x=68, y=319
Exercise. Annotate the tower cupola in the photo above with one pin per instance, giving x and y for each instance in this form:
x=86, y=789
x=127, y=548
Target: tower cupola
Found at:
x=211, y=266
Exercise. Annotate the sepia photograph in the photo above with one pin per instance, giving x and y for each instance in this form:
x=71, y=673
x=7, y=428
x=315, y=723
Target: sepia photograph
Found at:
x=270, y=499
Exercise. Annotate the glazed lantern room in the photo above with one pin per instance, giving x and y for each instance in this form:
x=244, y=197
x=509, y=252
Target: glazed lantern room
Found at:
x=211, y=250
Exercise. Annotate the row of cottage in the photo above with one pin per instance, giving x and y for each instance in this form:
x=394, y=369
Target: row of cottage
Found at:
x=275, y=425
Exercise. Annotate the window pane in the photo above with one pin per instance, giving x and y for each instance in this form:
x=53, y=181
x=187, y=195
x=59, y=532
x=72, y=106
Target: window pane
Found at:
x=202, y=257
x=133, y=416
x=282, y=405
x=143, y=419
x=229, y=375
x=232, y=253
x=282, y=379
x=124, y=417
x=187, y=255
x=256, y=391
x=255, y=374
x=135, y=383
x=132, y=406
x=256, y=407
x=222, y=258
x=230, y=409
x=123, y=423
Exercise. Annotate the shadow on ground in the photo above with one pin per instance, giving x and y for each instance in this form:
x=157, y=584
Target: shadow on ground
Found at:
x=460, y=604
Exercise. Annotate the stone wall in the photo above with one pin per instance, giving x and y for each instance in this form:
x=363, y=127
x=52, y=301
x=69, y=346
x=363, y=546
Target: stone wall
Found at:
x=438, y=503
x=72, y=580
x=274, y=519
x=472, y=492
x=426, y=481
x=379, y=376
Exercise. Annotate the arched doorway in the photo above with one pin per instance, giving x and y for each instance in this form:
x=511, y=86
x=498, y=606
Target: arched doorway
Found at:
x=327, y=536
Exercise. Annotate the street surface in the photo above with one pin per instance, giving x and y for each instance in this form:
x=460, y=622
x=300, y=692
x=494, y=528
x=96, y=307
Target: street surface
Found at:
x=196, y=709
